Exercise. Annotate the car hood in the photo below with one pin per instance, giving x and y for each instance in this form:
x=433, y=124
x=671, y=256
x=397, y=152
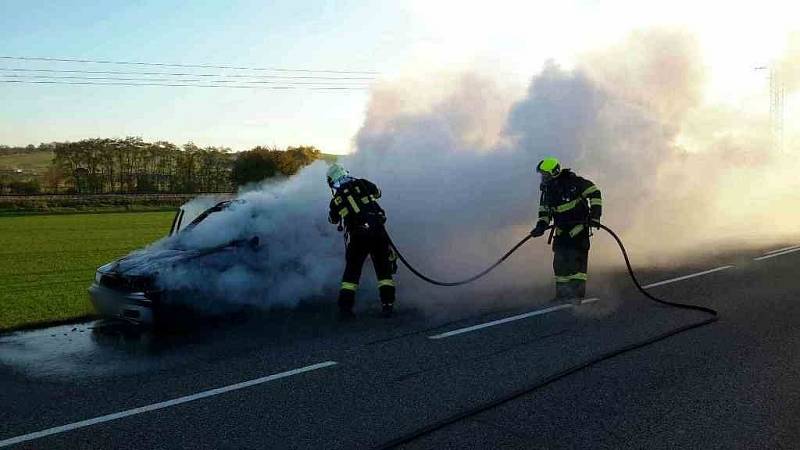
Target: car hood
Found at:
x=149, y=261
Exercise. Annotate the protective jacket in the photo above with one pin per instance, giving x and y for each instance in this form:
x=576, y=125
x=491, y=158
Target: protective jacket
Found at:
x=355, y=206
x=570, y=202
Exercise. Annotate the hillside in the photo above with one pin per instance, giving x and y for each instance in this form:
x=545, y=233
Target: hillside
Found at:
x=32, y=162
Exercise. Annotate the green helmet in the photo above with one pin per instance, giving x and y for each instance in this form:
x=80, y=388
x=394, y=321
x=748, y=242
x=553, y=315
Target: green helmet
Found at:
x=549, y=167
x=336, y=172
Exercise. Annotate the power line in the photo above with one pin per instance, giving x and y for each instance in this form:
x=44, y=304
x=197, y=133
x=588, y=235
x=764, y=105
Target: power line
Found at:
x=196, y=66
x=92, y=83
x=183, y=80
x=221, y=75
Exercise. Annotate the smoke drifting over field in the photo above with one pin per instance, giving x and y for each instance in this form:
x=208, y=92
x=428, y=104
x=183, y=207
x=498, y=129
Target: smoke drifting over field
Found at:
x=459, y=187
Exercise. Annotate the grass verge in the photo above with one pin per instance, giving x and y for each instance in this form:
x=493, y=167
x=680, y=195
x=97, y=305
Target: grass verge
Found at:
x=47, y=262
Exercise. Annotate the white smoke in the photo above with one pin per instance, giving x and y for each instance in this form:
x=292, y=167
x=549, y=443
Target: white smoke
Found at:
x=297, y=257
x=789, y=65
x=456, y=169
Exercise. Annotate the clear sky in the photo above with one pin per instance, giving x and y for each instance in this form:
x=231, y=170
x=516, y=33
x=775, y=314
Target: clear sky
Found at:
x=394, y=38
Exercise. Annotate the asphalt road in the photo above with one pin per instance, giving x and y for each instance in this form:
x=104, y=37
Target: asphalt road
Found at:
x=301, y=380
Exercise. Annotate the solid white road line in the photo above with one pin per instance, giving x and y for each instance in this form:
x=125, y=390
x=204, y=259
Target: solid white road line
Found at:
x=785, y=252
x=686, y=277
x=161, y=405
x=538, y=312
x=792, y=247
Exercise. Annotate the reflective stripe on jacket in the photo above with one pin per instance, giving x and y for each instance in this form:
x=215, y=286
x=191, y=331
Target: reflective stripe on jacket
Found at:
x=355, y=203
x=570, y=201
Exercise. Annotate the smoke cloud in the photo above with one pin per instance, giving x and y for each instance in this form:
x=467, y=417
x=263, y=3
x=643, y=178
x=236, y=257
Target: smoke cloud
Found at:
x=789, y=64
x=455, y=158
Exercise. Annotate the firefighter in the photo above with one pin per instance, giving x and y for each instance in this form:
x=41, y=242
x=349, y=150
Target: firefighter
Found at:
x=574, y=205
x=354, y=208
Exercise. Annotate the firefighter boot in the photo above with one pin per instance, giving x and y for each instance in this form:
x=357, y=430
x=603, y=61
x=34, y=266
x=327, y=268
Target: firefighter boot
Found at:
x=563, y=293
x=579, y=291
x=347, y=299
x=387, y=294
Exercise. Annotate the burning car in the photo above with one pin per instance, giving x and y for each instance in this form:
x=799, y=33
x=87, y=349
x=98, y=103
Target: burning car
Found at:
x=130, y=288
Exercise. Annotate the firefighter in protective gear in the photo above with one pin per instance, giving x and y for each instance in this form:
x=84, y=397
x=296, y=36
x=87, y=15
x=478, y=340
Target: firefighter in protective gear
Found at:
x=354, y=208
x=573, y=204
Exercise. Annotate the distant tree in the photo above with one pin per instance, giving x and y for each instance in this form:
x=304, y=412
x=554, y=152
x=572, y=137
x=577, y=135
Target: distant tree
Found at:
x=261, y=163
x=53, y=179
x=254, y=165
x=214, y=168
x=68, y=159
x=295, y=158
x=165, y=155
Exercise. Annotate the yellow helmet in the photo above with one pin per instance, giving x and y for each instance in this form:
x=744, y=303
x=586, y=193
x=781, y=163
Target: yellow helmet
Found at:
x=549, y=167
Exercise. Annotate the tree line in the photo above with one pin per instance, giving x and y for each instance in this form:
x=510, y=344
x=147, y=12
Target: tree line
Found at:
x=132, y=165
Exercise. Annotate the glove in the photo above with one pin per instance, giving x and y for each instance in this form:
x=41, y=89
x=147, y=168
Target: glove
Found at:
x=594, y=223
x=539, y=229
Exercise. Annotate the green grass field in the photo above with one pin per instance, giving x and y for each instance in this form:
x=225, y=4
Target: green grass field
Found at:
x=37, y=161
x=48, y=262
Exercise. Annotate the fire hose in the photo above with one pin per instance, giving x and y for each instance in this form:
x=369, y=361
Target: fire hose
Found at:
x=427, y=429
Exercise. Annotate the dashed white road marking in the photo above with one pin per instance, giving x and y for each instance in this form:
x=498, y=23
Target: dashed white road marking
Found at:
x=791, y=247
x=686, y=277
x=568, y=305
x=493, y=323
x=161, y=405
x=772, y=255
x=233, y=387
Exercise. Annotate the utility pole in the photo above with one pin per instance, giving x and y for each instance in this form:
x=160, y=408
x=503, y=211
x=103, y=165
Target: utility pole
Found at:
x=776, y=96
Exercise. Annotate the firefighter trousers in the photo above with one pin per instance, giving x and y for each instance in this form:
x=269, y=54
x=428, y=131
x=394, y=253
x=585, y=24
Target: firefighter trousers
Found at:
x=570, y=264
x=374, y=243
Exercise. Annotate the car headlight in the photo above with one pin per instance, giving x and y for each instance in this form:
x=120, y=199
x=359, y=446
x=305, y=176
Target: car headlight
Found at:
x=97, y=277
